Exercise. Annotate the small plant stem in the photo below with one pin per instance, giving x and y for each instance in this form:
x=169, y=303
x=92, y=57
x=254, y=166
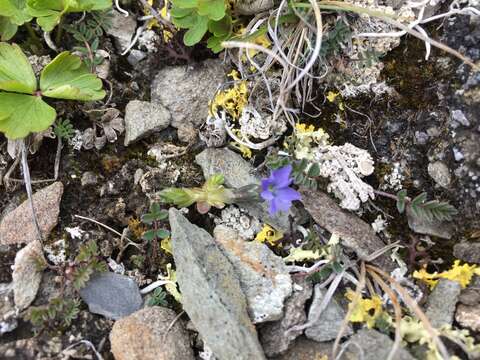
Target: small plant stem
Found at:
x=28, y=186
x=108, y=228
x=32, y=35
x=385, y=194
x=58, y=35
x=57, y=158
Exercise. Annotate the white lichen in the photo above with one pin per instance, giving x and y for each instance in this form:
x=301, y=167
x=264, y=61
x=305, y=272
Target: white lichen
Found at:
x=238, y=219
x=254, y=125
x=393, y=181
x=345, y=166
x=380, y=224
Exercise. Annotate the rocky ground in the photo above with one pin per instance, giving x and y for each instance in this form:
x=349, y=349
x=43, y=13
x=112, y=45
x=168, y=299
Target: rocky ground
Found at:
x=214, y=287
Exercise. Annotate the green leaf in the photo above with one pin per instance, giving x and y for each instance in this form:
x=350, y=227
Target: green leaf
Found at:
x=314, y=170
x=401, y=201
x=185, y=4
x=7, y=29
x=148, y=219
x=16, y=73
x=213, y=9
x=15, y=10
x=179, y=197
x=215, y=180
x=67, y=77
x=49, y=12
x=149, y=235
x=21, y=115
x=162, y=234
x=222, y=27
x=178, y=12
x=186, y=22
x=196, y=32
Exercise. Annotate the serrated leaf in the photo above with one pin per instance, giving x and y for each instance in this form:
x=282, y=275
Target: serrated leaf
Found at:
x=67, y=77
x=221, y=28
x=420, y=199
x=185, y=4
x=212, y=9
x=7, y=29
x=15, y=10
x=195, y=34
x=21, y=115
x=16, y=73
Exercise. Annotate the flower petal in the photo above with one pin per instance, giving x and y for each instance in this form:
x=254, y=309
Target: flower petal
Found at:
x=267, y=195
x=282, y=176
x=288, y=194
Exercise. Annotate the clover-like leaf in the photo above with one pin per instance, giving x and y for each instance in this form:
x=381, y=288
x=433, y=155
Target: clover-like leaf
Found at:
x=67, y=77
x=49, y=12
x=196, y=32
x=185, y=4
x=15, y=11
x=221, y=28
x=7, y=28
x=16, y=73
x=22, y=114
x=213, y=9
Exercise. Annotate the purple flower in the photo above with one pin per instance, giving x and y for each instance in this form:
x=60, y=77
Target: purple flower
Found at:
x=276, y=190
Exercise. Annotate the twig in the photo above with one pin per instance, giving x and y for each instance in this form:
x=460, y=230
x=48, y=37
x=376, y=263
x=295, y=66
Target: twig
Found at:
x=28, y=186
x=89, y=344
x=155, y=285
x=119, y=8
x=58, y=155
x=48, y=40
x=108, y=228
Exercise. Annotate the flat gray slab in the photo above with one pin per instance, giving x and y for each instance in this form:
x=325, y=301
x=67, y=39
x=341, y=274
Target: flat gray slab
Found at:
x=211, y=293
x=112, y=295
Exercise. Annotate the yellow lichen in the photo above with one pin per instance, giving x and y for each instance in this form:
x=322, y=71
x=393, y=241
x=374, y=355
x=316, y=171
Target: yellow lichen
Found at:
x=460, y=273
x=364, y=310
x=270, y=235
x=166, y=245
x=232, y=100
x=136, y=227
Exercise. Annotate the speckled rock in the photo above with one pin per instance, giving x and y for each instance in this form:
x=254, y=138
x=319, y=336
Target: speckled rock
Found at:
x=375, y=346
x=17, y=226
x=355, y=233
x=467, y=251
x=147, y=335
x=263, y=276
x=143, y=118
x=327, y=325
x=468, y=316
x=211, y=292
x=273, y=335
x=442, y=301
x=122, y=29
x=305, y=349
x=440, y=173
x=186, y=91
x=27, y=274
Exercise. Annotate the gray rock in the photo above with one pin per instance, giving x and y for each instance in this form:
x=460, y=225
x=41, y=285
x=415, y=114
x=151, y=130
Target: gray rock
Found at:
x=147, y=335
x=8, y=314
x=374, y=346
x=442, y=301
x=122, y=29
x=211, y=292
x=238, y=173
x=467, y=251
x=424, y=226
x=135, y=57
x=421, y=137
x=17, y=226
x=305, y=349
x=355, y=233
x=251, y=7
x=143, y=118
x=459, y=116
x=27, y=274
x=273, y=335
x=440, y=173
x=468, y=316
x=327, y=325
x=112, y=295
x=89, y=178
x=263, y=276
x=186, y=92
